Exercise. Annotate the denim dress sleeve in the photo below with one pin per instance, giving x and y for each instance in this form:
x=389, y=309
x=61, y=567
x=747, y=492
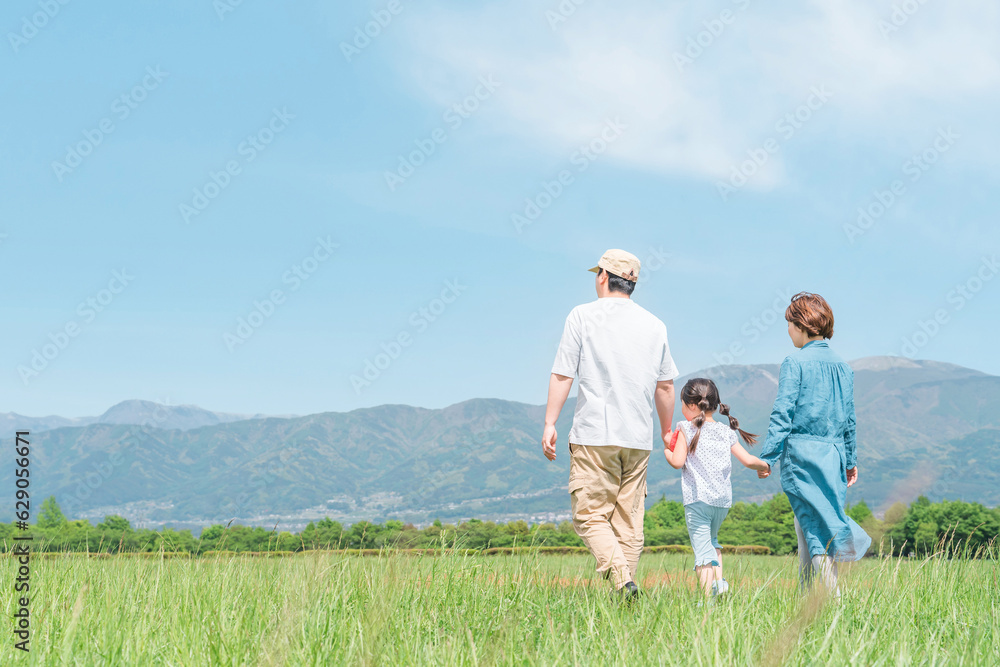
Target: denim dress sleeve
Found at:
x=783, y=412
x=851, y=431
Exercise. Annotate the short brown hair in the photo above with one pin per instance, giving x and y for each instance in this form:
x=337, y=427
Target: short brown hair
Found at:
x=811, y=313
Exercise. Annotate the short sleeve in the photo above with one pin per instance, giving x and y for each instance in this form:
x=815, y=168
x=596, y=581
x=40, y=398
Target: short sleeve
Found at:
x=570, y=346
x=734, y=438
x=668, y=370
x=688, y=429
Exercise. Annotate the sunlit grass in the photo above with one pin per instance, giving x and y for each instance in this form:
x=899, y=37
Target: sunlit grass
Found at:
x=320, y=609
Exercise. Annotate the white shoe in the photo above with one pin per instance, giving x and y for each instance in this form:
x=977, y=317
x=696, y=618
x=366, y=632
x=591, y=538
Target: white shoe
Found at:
x=720, y=588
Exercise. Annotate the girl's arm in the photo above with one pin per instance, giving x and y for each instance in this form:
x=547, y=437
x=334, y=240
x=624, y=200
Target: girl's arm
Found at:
x=748, y=459
x=789, y=381
x=677, y=457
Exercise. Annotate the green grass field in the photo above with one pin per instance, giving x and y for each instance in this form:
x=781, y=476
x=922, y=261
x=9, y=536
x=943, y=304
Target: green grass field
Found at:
x=321, y=609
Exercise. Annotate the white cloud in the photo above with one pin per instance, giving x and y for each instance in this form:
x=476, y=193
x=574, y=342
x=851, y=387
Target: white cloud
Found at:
x=611, y=60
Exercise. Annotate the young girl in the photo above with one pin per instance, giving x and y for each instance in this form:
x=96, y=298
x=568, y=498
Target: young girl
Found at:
x=702, y=452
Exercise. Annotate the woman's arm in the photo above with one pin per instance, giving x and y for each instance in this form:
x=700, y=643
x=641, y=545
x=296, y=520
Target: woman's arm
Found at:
x=789, y=382
x=677, y=457
x=748, y=459
x=851, y=436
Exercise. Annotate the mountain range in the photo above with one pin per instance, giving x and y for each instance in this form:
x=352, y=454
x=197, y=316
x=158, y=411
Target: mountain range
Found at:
x=923, y=428
x=181, y=417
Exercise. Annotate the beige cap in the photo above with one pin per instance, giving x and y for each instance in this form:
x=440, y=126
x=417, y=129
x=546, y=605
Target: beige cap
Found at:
x=620, y=263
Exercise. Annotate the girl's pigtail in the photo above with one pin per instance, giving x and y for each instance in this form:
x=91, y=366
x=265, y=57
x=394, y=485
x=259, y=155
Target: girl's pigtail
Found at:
x=734, y=424
x=698, y=422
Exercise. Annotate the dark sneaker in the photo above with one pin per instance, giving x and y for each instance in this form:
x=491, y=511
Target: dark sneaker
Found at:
x=629, y=592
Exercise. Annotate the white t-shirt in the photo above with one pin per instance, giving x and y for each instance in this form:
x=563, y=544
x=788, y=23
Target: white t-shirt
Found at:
x=619, y=351
x=705, y=476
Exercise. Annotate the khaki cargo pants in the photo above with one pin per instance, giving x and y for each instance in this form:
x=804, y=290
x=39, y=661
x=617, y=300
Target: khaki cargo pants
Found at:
x=607, y=487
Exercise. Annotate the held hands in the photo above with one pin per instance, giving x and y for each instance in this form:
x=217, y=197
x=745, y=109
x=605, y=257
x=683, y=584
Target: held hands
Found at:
x=670, y=439
x=852, y=476
x=675, y=454
x=764, y=472
x=549, y=438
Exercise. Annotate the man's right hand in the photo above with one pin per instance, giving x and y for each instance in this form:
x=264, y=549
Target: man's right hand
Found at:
x=549, y=442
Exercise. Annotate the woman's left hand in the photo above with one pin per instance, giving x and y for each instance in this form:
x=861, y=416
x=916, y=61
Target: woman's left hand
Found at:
x=852, y=476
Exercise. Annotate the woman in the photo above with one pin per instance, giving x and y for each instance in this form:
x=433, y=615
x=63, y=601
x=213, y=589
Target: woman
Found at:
x=812, y=433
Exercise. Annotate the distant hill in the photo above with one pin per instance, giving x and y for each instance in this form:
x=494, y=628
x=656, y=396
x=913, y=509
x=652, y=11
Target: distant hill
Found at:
x=11, y=422
x=482, y=458
x=165, y=417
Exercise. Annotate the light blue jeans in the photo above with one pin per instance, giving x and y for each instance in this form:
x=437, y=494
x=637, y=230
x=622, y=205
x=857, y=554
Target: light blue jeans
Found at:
x=703, y=522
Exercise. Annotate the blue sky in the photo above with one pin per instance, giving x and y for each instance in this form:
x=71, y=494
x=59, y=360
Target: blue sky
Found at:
x=212, y=157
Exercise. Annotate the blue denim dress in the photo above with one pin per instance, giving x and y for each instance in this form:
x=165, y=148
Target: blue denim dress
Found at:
x=812, y=434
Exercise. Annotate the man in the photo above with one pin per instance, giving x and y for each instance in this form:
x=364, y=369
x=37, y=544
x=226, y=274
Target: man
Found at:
x=619, y=351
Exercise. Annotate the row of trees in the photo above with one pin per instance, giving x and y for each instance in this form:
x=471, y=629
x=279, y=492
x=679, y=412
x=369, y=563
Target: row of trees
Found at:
x=919, y=528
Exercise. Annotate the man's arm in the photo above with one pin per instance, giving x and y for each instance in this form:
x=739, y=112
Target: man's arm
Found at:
x=664, y=398
x=559, y=387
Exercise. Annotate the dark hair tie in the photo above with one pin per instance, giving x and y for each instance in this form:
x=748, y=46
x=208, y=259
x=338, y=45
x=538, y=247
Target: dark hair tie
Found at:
x=734, y=423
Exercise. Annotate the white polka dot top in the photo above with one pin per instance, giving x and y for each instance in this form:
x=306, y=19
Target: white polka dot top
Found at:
x=705, y=475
